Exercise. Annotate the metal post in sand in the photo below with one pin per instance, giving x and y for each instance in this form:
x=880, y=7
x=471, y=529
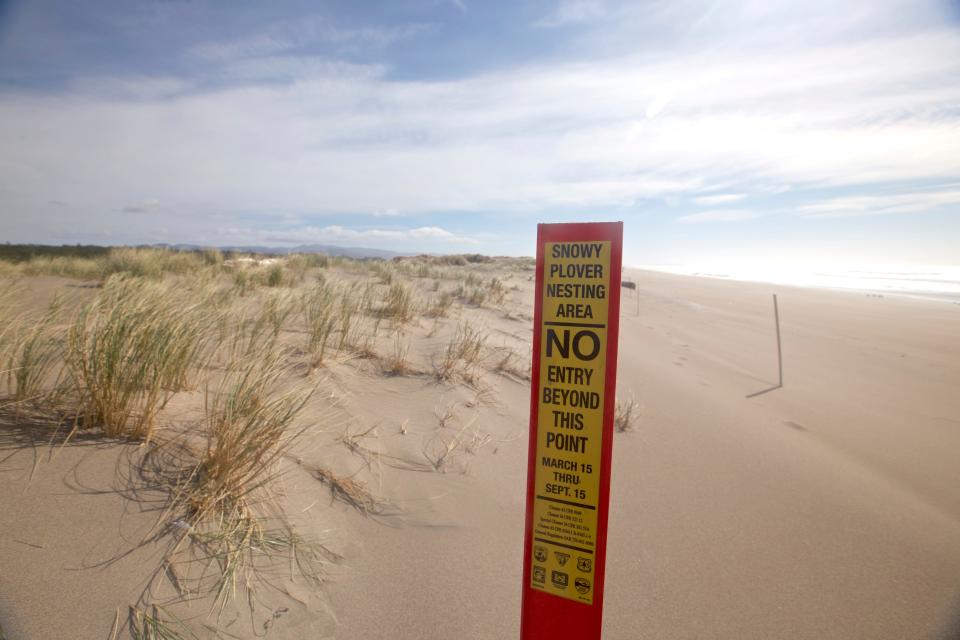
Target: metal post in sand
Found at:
x=776, y=318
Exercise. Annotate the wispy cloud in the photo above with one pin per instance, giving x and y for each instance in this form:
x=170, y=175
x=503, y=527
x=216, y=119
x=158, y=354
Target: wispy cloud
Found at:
x=886, y=204
x=146, y=206
x=718, y=199
x=303, y=35
x=565, y=135
x=571, y=12
x=339, y=234
x=661, y=105
x=721, y=215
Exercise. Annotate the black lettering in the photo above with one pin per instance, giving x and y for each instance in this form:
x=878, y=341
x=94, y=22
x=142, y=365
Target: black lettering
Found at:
x=562, y=347
x=578, y=341
x=564, y=442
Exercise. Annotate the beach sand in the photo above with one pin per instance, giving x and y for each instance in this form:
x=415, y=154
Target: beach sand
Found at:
x=828, y=508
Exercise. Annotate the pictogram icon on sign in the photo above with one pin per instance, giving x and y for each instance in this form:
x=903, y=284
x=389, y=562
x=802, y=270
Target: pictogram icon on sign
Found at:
x=582, y=585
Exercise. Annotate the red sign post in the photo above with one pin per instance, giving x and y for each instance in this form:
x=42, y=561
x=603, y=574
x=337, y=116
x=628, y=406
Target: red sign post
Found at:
x=572, y=401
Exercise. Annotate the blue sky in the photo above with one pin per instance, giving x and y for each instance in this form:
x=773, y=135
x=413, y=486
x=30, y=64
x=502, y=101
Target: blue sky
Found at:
x=755, y=132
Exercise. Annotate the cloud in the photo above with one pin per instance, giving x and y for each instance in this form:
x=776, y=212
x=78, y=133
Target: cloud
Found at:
x=887, y=204
x=572, y=12
x=720, y=198
x=289, y=132
x=340, y=234
x=146, y=206
x=721, y=215
x=657, y=105
x=304, y=33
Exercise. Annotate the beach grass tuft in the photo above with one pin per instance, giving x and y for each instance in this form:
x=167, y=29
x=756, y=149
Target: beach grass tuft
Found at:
x=129, y=350
x=34, y=353
x=625, y=414
x=463, y=353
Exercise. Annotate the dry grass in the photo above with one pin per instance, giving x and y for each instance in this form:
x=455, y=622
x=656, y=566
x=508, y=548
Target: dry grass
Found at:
x=399, y=305
x=277, y=307
x=66, y=267
x=335, y=320
x=462, y=355
x=250, y=274
x=440, y=305
x=248, y=428
x=354, y=300
x=625, y=415
x=10, y=320
x=396, y=362
x=34, y=353
x=99, y=265
x=319, y=315
x=147, y=335
x=154, y=623
x=496, y=291
x=513, y=365
x=304, y=262
x=350, y=491
x=356, y=442
x=383, y=271
x=129, y=350
x=445, y=448
x=445, y=414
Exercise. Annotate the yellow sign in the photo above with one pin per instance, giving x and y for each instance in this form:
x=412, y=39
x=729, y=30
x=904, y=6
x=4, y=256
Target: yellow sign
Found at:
x=573, y=350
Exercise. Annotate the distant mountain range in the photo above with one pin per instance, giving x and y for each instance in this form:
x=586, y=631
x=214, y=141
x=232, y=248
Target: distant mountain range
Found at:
x=330, y=250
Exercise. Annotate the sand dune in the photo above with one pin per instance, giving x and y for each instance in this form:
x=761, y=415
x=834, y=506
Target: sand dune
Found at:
x=829, y=508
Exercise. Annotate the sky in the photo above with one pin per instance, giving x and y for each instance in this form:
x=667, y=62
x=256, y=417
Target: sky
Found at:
x=758, y=131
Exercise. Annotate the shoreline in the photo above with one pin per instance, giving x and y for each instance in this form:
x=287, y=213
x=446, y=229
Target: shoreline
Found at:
x=939, y=296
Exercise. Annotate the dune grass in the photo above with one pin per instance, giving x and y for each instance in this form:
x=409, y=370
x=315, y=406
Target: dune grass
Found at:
x=34, y=354
x=248, y=427
x=100, y=263
x=154, y=623
x=68, y=267
x=440, y=305
x=248, y=422
x=514, y=365
x=10, y=324
x=167, y=321
x=625, y=415
x=447, y=448
x=318, y=306
x=462, y=355
x=277, y=307
x=396, y=362
x=399, y=305
x=129, y=350
x=355, y=300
